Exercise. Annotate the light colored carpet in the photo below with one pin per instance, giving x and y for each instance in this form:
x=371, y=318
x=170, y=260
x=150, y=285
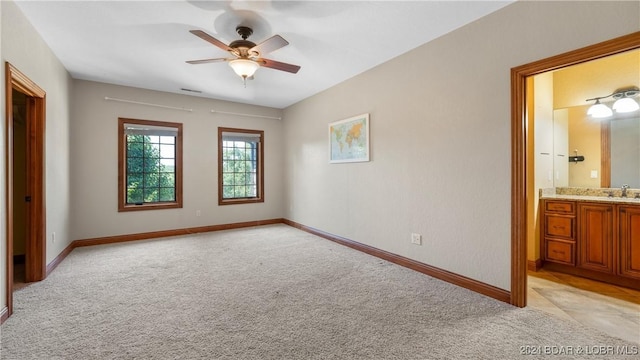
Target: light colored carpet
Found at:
x=270, y=292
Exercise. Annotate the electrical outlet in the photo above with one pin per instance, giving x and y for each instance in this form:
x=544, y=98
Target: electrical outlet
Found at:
x=198, y=213
x=416, y=239
x=53, y=237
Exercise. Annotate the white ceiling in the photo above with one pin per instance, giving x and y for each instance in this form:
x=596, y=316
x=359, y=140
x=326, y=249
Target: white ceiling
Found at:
x=145, y=43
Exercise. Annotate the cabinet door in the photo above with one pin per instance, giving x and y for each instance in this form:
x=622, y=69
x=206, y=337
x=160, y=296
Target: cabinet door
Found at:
x=559, y=251
x=629, y=241
x=559, y=226
x=595, y=237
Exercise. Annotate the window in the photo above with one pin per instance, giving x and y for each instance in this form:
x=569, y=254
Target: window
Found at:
x=149, y=165
x=240, y=166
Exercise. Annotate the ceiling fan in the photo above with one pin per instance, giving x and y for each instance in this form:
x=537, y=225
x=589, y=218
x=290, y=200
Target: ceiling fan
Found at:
x=247, y=55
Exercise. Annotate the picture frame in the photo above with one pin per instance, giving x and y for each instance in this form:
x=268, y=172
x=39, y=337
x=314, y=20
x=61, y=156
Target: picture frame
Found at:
x=349, y=140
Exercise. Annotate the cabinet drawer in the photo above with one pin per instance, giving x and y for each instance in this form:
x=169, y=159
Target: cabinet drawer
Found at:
x=562, y=207
x=559, y=226
x=559, y=251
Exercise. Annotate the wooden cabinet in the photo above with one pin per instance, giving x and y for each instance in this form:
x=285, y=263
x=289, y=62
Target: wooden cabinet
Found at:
x=629, y=251
x=599, y=240
x=559, y=232
x=595, y=234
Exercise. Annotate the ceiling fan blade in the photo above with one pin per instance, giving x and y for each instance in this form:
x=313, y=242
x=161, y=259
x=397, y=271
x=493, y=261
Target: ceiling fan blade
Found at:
x=279, y=65
x=208, y=38
x=206, y=61
x=271, y=44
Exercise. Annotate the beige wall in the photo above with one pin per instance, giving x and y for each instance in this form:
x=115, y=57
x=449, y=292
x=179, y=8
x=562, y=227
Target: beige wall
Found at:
x=94, y=161
x=575, y=84
x=23, y=48
x=440, y=137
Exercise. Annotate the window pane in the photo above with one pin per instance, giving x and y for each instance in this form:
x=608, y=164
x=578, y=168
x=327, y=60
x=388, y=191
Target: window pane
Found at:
x=251, y=179
x=251, y=191
x=167, y=139
x=151, y=165
x=227, y=166
x=167, y=194
x=135, y=138
x=134, y=179
x=167, y=179
x=240, y=178
x=228, y=179
x=239, y=166
x=134, y=195
x=168, y=165
x=167, y=151
x=151, y=180
x=239, y=191
x=227, y=192
x=134, y=165
x=150, y=194
x=134, y=149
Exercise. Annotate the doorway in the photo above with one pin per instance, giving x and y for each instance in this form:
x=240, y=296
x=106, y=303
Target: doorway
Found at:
x=25, y=201
x=521, y=152
x=19, y=104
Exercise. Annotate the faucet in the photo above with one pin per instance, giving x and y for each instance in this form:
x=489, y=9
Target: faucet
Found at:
x=624, y=190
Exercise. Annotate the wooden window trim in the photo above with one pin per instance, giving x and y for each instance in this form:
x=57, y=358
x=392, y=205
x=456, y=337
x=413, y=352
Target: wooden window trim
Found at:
x=122, y=167
x=260, y=185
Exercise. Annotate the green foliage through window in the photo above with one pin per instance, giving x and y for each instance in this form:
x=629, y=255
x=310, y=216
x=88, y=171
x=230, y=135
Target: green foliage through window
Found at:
x=149, y=165
x=150, y=168
x=240, y=166
x=240, y=169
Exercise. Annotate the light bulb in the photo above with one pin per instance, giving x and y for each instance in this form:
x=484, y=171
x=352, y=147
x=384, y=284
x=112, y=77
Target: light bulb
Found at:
x=244, y=67
x=599, y=110
x=625, y=105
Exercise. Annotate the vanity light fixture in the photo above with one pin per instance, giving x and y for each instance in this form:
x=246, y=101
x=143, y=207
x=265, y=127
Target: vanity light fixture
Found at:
x=623, y=104
x=599, y=110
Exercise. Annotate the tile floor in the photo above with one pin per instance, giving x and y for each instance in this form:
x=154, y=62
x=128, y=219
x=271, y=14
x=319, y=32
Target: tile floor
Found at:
x=612, y=309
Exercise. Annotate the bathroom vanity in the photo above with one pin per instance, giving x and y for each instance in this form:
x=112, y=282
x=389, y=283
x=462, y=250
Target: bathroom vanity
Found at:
x=596, y=237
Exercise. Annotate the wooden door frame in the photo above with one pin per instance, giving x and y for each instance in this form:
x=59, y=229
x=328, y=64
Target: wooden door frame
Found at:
x=36, y=219
x=519, y=150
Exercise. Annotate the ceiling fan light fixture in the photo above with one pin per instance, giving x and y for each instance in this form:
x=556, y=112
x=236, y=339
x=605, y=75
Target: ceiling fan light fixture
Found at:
x=245, y=68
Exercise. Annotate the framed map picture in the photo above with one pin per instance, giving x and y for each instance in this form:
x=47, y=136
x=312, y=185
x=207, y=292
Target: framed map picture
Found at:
x=349, y=140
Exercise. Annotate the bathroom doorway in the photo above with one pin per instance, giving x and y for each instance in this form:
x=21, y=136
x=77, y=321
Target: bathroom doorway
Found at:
x=522, y=156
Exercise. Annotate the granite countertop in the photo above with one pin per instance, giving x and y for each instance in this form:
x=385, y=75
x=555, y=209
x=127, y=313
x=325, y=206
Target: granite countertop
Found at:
x=603, y=199
x=591, y=194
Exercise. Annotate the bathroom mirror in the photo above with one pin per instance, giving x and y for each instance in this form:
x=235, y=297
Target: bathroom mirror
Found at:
x=625, y=152
x=610, y=147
